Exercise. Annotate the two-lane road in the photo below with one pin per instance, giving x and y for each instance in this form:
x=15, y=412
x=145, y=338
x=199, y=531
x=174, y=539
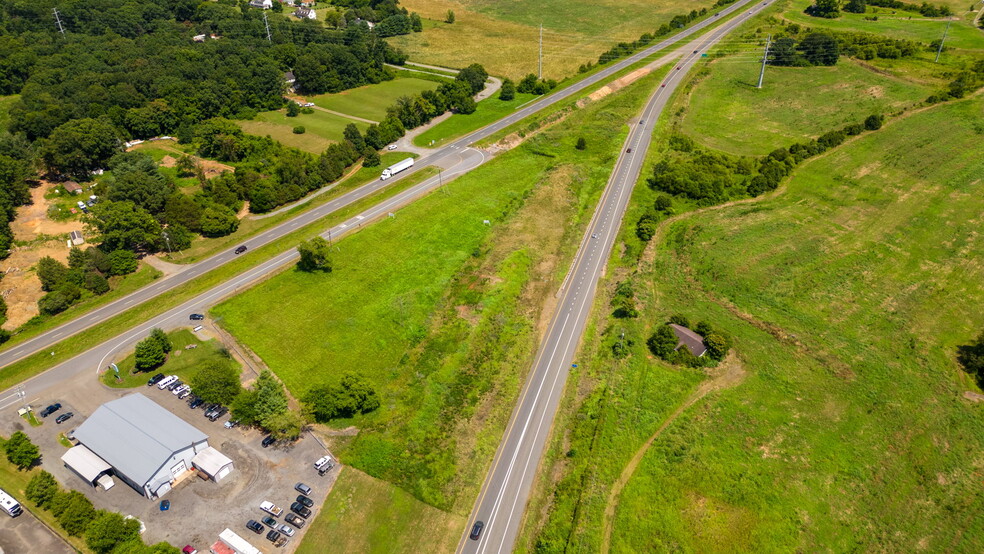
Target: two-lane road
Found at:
x=504, y=495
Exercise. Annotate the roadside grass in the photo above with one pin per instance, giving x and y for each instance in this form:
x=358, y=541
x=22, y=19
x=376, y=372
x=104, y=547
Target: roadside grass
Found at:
x=66, y=349
x=31, y=418
x=321, y=129
x=364, y=514
x=440, y=312
x=487, y=111
x=504, y=36
x=962, y=34
x=726, y=111
x=14, y=481
x=371, y=101
x=851, y=291
x=203, y=247
x=5, y=103
x=182, y=361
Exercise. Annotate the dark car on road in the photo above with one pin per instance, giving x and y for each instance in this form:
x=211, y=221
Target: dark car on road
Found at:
x=294, y=520
x=476, y=531
x=50, y=409
x=196, y=317
x=300, y=509
x=254, y=526
x=268, y=440
x=272, y=536
x=240, y=250
x=305, y=500
x=64, y=417
x=269, y=522
x=303, y=489
x=155, y=379
x=195, y=402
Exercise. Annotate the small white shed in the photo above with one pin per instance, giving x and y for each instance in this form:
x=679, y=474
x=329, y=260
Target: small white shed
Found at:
x=213, y=463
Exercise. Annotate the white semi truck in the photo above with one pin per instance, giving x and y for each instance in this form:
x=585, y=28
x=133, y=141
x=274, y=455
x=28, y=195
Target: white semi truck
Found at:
x=396, y=168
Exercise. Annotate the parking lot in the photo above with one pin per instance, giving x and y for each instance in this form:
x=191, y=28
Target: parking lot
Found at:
x=24, y=534
x=199, y=509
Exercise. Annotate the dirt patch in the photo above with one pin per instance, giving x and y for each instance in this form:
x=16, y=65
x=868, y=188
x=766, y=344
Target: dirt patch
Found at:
x=168, y=161
x=32, y=220
x=21, y=287
x=729, y=373
x=973, y=396
x=513, y=140
x=211, y=168
x=619, y=84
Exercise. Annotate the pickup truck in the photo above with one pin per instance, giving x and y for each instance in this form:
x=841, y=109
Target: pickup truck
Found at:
x=271, y=508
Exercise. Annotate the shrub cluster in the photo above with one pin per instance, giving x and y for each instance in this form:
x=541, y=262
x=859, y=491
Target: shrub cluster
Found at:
x=663, y=342
x=414, y=111
x=85, y=274
x=625, y=48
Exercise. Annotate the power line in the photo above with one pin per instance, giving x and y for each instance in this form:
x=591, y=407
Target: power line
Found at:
x=942, y=40
x=61, y=29
x=765, y=58
x=267, y=24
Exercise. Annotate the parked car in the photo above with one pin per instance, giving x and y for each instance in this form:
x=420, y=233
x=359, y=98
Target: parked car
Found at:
x=231, y=423
x=50, y=409
x=180, y=389
x=391, y=147
x=300, y=509
x=184, y=394
x=240, y=250
x=254, y=526
x=165, y=382
x=305, y=500
x=476, y=531
x=218, y=412
x=271, y=508
x=165, y=505
x=174, y=384
x=196, y=317
x=269, y=522
x=303, y=489
x=195, y=402
x=294, y=520
x=268, y=440
x=155, y=379
x=281, y=541
x=64, y=417
x=286, y=529
x=272, y=536
x=188, y=549
x=323, y=462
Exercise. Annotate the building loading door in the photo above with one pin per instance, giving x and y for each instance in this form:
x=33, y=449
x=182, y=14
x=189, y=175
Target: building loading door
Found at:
x=178, y=469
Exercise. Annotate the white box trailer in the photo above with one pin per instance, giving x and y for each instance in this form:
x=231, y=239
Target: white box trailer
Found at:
x=238, y=544
x=396, y=168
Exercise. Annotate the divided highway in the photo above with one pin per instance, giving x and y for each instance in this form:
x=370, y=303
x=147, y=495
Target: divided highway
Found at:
x=502, y=501
x=455, y=157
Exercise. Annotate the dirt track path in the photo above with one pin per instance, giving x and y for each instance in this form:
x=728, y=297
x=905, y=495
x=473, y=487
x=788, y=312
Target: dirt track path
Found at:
x=728, y=374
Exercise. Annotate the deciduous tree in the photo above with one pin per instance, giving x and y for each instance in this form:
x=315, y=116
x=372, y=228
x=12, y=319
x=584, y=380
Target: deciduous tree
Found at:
x=21, y=451
x=315, y=255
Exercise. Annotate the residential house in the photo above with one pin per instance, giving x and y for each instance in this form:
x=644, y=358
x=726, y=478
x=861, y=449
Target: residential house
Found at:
x=690, y=339
x=305, y=13
x=262, y=4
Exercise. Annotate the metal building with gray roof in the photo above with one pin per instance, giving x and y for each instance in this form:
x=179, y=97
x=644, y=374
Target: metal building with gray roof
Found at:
x=147, y=446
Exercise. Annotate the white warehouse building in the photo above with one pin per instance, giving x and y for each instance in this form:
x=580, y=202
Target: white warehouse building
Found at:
x=146, y=446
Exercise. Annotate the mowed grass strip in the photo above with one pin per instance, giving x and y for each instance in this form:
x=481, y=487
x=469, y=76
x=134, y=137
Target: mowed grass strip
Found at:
x=320, y=128
x=364, y=514
x=487, y=111
x=370, y=102
x=182, y=361
x=727, y=112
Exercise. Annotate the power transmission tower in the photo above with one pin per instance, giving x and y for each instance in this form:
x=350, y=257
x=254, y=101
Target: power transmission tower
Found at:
x=765, y=58
x=61, y=29
x=539, y=71
x=940, y=49
x=267, y=24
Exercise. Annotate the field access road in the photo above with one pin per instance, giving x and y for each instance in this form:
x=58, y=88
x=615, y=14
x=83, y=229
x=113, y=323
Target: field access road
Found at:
x=506, y=490
x=456, y=157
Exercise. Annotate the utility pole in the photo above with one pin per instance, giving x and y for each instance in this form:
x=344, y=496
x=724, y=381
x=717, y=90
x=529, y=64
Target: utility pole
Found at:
x=61, y=29
x=940, y=49
x=267, y=24
x=539, y=71
x=765, y=58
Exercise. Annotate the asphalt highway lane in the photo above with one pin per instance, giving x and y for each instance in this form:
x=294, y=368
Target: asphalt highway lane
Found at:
x=506, y=490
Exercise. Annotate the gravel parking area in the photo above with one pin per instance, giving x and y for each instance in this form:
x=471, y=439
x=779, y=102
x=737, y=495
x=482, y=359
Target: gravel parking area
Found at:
x=24, y=534
x=199, y=510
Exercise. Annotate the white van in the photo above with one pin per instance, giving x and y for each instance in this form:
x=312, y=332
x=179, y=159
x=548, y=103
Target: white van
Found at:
x=167, y=381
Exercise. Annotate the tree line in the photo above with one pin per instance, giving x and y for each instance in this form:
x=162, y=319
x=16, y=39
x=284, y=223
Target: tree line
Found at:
x=830, y=9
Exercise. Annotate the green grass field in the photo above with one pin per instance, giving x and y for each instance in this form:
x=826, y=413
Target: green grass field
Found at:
x=321, y=128
x=504, y=35
x=371, y=101
x=5, y=103
x=727, y=112
x=487, y=111
x=182, y=361
x=962, y=34
x=389, y=517
x=845, y=295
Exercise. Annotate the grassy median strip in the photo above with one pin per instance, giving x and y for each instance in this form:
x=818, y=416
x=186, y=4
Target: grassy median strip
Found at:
x=72, y=346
